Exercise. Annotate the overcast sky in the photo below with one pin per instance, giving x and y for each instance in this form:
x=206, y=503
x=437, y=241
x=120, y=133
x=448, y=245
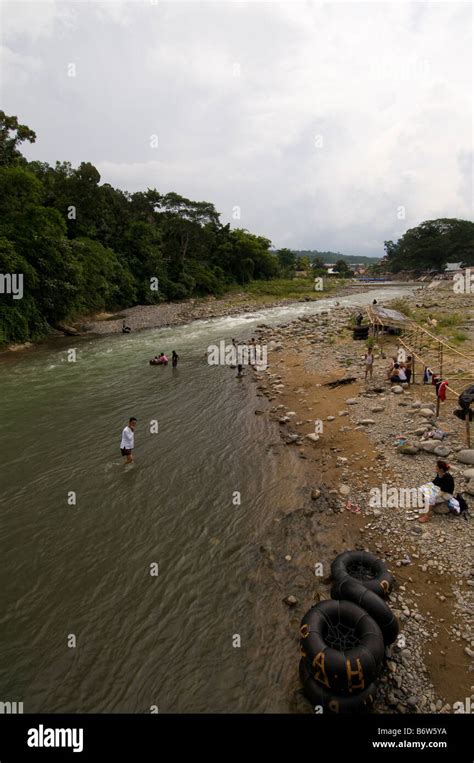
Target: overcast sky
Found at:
x=327, y=125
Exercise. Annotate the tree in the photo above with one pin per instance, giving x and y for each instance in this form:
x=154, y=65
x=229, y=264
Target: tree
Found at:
x=286, y=260
x=303, y=263
x=432, y=244
x=12, y=134
x=341, y=267
x=84, y=246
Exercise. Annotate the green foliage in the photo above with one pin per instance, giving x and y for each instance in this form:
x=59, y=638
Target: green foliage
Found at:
x=401, y=306
x=303, y=263
x=286, y=261
x=84, y=247
x=11, y=135
x=431, y=245
x=333, y=257
x=459, y=337
x=342, y=268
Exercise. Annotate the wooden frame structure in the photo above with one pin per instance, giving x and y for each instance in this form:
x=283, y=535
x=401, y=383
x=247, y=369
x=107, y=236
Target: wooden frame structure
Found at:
x=430, y=351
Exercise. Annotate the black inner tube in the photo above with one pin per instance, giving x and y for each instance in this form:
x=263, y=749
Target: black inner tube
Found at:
x=361, y=571
x=340, y=637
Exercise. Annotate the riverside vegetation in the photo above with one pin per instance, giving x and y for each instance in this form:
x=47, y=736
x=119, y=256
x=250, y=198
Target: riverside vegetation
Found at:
x=84, y=248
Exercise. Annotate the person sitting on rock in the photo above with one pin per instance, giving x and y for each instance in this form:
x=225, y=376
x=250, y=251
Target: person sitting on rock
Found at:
x=393, y=360
x=439, y=489
x=398, y=375
x=408, y=368
x=125, y=329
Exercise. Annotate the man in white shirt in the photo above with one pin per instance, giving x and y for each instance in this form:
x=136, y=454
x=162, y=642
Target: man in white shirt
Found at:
x=128, y=441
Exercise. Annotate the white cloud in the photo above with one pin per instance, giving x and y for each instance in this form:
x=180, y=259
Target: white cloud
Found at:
x=238, y=92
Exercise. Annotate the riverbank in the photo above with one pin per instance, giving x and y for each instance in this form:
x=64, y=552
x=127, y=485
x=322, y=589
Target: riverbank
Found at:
x=205, y=308
x=429, y=670
x=169, y=314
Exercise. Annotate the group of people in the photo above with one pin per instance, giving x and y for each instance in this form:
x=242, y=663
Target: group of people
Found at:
x=163, y=360
x=399, y=372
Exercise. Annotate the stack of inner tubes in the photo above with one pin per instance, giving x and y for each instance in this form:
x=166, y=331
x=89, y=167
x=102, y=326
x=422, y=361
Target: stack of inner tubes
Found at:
x=343, y=639
x=360, y=332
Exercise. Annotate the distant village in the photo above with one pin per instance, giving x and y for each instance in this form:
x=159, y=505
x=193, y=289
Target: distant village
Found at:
x=365, y=272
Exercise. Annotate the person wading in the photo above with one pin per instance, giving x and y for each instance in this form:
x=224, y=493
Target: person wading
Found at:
x=127, y=443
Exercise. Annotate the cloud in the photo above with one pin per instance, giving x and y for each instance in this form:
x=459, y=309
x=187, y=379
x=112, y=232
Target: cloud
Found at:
x=318, y=120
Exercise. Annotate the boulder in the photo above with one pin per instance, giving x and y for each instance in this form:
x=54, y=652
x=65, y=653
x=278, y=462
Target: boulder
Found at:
x=312, y=436
x=420, y=430
x=68, y=330
x=442, y=450
x=466, y=456
x=352, y=401
x=468, y=474
x=377, y=409
x=397, y=390
x=408, y=449
x=470, y=487
x=429, y=445
x=440, y=508
x=426, y=412
x=366, y=422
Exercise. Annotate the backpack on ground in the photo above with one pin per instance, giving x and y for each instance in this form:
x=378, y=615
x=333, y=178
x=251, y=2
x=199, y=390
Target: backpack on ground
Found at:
x=463, y=507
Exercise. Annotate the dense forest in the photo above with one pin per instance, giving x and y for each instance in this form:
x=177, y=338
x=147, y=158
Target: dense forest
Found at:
x=431, y=245
x=333, y=257
x=84, y=247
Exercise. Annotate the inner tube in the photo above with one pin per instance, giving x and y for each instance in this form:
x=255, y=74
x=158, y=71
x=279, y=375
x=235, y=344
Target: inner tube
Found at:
x=157, y=363
x=343, y=645
x=351, y=590
x=328, y=700
x=365, y=568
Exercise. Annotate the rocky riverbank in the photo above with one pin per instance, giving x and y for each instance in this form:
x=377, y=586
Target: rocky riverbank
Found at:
x=345, y=461
x=186, y=311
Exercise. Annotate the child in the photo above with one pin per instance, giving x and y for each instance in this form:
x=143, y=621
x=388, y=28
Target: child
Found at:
x=369, y=363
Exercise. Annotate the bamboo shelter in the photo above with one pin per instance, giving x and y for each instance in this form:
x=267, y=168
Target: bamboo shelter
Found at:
x=430, y=352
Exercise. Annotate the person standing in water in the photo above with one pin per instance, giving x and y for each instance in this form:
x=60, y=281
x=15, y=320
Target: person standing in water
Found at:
x=174, y=359
x=127, y=443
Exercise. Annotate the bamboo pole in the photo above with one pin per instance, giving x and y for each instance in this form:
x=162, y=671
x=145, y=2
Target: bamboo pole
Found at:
x=438, y=401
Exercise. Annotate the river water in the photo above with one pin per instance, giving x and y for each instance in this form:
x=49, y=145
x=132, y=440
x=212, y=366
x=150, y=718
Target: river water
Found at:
x=85, y=626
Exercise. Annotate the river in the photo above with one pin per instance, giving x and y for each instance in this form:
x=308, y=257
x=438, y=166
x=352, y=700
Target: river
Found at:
x=85, y=626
